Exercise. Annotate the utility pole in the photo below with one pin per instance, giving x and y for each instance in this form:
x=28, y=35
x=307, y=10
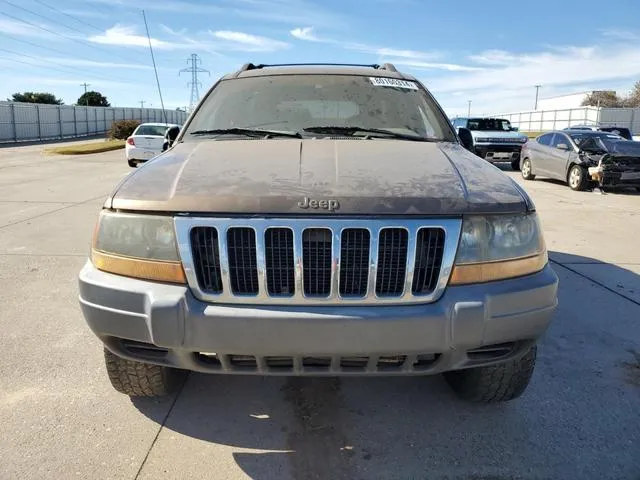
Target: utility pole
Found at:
x=536, y=105
x=194, y=69
x=142, y=102
x=469, y=109
x=85, y=85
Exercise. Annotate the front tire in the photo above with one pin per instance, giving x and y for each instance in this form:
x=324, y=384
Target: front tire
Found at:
x=495, y=383
x=527, y=169
x=138, y=379
x=132, y=163
x=577, y=178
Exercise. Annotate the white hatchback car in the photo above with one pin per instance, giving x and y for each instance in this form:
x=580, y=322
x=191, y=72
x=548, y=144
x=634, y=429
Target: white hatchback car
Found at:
x=146, y=142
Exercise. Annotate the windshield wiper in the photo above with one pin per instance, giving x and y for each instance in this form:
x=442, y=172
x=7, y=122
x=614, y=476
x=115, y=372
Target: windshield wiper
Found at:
x=249, y=132
x=378, y=132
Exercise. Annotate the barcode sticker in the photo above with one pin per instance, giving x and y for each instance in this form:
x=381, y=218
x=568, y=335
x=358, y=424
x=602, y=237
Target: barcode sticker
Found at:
x=393, y=82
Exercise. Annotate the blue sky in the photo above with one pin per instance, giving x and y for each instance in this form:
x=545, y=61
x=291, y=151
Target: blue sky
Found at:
x=492, y=53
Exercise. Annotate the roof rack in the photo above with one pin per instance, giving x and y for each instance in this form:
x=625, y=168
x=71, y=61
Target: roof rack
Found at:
x=250, y=66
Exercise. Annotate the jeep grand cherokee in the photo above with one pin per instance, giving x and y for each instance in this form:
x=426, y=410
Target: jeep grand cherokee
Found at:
x=319, y=220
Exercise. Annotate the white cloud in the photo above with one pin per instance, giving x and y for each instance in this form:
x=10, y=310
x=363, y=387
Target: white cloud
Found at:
x=620, y=34
x=95, y=64
x=11, y=27
x=248, y=43
x=306, y=33
x=417, y=65
x=507, y=80
x=126, y=35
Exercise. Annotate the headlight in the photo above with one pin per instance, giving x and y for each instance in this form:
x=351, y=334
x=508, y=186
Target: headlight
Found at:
x=498, y=247
x=141, y=246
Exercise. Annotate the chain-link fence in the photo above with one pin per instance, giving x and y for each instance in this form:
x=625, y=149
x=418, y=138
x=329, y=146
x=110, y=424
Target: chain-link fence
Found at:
x=33, y=121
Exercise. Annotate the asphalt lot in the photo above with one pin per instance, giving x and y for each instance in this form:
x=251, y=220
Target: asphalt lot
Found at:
x=60, y=418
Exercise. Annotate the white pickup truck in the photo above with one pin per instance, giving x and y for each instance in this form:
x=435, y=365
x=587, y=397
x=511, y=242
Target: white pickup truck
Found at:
x=494, y=139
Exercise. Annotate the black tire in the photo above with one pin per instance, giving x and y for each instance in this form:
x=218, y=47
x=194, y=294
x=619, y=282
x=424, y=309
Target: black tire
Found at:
x=495, y=383
x=577, y=178
x=515, y=165
x=526, y=170
x=132, y=163
x=138, y=379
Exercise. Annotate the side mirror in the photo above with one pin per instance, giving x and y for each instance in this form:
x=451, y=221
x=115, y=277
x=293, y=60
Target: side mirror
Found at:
x=170, y=137
x=562, y=146
x=515, y=129
x=466, y=138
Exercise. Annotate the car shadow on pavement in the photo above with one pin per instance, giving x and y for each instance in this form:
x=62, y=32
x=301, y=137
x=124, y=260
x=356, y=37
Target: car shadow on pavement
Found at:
x=415, y=427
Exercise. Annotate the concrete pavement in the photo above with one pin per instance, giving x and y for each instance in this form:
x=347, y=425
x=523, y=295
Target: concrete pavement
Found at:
x=60, y=418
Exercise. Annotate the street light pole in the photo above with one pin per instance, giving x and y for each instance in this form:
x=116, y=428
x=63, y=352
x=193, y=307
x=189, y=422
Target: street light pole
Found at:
x=536, y=105
x=86, y=98
x=469, y=109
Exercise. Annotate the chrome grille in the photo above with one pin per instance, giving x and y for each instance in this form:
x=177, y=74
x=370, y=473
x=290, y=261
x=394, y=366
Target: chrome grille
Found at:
x=317, y=261
x=354, y=262
x=429, y=251
x=243, y=270
x=392, y=262
x=278, y=246
x=206, y=256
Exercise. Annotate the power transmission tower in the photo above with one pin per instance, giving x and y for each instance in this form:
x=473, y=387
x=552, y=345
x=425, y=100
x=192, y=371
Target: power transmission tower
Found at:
x=142, y=102
x=85, y=85
x=194, y=69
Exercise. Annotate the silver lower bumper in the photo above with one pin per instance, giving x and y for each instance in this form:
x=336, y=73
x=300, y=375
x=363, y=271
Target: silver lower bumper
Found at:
x=299, y=340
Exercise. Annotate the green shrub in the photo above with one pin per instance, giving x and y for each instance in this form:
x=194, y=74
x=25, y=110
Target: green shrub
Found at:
x=122, y=129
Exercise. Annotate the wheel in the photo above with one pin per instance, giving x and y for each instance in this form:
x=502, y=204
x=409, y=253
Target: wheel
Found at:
x=577, y=178
x=138, y=379
x=495, y=383
x=515, y=165
x=132, y=163
x=526, y=170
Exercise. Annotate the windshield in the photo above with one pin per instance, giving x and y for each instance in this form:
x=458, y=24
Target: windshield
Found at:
x=158, y=130
x=488, y=124
x=604, y=140
x=292, y=103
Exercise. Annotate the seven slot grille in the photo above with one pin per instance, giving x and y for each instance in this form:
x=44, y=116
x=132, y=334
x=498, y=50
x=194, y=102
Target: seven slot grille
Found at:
x=383, y=263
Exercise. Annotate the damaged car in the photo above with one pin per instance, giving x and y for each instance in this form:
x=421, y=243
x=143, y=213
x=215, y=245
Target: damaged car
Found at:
x=583, y=159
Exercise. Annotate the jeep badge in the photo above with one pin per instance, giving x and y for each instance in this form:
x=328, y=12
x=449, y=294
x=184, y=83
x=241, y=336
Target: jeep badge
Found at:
x=330, y=205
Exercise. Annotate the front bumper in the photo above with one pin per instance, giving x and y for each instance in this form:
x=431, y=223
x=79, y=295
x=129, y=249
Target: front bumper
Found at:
x=167, y=325
x=499, y=152
x=606, y=178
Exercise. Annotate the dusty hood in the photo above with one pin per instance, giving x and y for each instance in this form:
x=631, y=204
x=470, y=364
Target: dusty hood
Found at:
x=364, y=177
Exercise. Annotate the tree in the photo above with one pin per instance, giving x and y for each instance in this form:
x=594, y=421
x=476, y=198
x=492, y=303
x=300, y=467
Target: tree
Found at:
x=93, y=99
x=603, y=98
x=633, y=100
x=36, y=97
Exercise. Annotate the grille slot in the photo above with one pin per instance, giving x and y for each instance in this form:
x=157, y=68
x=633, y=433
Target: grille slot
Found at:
x=392, y=262
x=243, y=271
x=278, y=245
x=206, y=258
x=354, y=262
x=316, y=261
x=429, y=251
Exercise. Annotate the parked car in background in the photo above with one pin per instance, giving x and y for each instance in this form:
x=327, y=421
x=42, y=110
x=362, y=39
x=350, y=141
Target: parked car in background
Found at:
x=494, y=139
x=622, y=131
x=583, y=158
x=146, y=142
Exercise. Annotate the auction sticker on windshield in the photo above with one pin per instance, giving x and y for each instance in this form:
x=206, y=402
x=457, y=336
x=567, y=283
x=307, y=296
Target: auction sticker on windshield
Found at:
x=393, y=82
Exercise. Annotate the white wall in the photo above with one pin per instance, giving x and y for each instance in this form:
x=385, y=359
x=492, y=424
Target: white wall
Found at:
x=573, y=100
